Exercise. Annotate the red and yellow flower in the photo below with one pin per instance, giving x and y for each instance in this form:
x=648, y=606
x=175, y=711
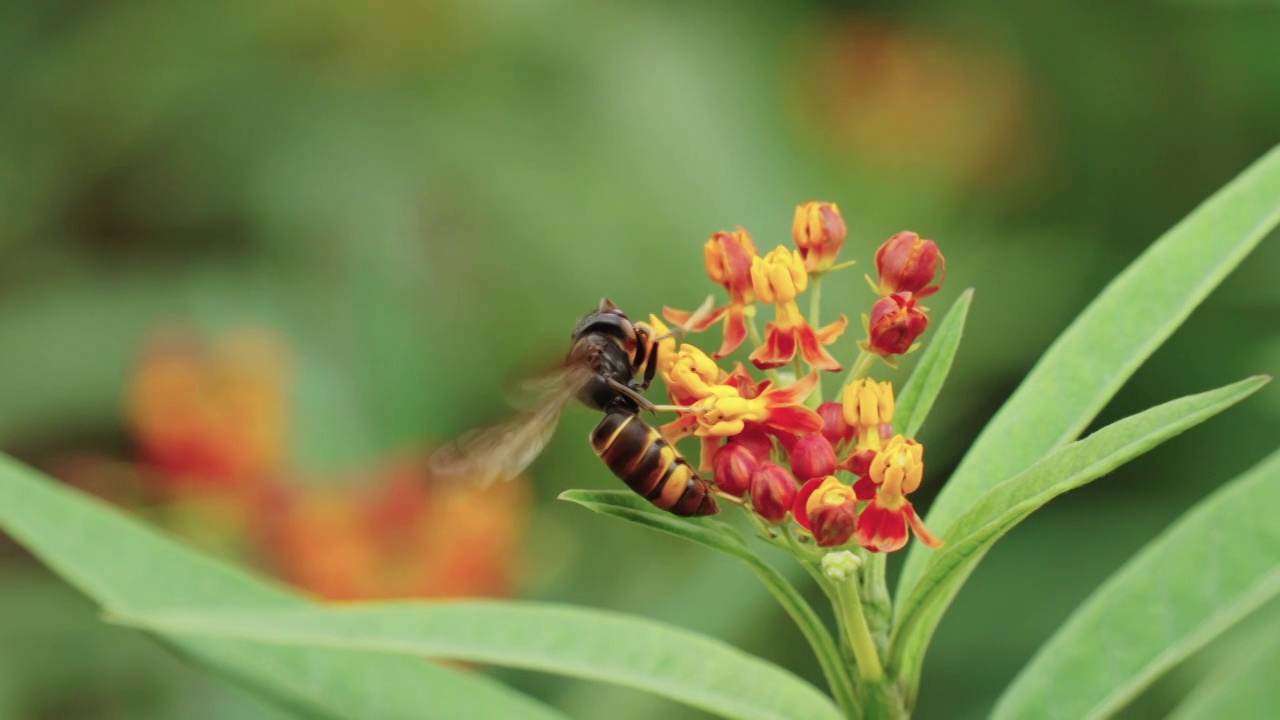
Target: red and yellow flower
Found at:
x=779, y=278
x=819, y=232
x=729, y=257
x=827, y=508
x=895, y=472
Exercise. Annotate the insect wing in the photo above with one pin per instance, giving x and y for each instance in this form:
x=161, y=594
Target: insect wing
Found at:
x=503, y=451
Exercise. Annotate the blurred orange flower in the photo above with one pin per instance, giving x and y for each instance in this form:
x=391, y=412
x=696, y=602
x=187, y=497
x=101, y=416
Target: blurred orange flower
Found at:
x=401, y=535
x=210, y=415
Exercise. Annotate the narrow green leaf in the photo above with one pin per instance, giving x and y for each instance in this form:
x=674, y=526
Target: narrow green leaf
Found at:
x=1004, y=506
x=1119, y=330
x=719, y=536
x=1245, y=688
x=1209, y=569
x=129, y=568
x=916, y=398
x=592, y=644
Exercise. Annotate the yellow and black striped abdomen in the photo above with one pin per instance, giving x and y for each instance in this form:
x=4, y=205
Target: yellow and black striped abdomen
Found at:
x=649, y=465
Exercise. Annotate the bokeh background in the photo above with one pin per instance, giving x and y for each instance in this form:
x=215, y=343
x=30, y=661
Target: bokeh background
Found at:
x=257, y=258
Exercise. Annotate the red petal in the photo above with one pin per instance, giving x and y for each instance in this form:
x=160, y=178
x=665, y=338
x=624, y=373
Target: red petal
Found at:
x=921, y=531
x=802, y=498
x=865, y=489
x=813, y=352
x=735, y=330
x=796, y=419
x=778, y=349
x=794, y=393
x=881, y=530
x=680, y=317
x=829, y=333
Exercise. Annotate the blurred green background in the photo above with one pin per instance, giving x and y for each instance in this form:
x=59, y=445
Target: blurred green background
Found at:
x=418, y=199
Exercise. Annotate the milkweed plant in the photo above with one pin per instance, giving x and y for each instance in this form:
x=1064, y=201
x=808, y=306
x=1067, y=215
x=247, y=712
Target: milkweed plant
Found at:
x=817, y=456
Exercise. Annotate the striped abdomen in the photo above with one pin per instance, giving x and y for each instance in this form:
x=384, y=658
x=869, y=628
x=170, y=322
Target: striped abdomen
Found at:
x=649, y=465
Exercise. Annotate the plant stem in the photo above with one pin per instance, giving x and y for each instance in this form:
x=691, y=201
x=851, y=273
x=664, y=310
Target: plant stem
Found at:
x=857, y=634
x=877, y=604
x=861, y=367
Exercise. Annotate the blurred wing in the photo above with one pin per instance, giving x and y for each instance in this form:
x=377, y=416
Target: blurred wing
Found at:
x=503, y=451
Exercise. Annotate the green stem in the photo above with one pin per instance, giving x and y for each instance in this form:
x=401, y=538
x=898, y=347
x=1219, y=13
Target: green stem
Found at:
x=877, y=603
x=861, y=367
x=824, y=646
x=857, y=633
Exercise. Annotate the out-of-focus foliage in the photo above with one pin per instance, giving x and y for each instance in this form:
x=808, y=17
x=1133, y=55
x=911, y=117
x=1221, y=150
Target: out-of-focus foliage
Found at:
x=417, y=200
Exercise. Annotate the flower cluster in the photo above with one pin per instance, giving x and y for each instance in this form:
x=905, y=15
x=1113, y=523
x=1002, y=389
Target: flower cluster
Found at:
x=835, y=472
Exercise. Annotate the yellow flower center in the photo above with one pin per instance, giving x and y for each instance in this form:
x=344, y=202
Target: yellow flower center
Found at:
x=779, y=276
x=868, y=405
x=897, y=470
x=726, y=413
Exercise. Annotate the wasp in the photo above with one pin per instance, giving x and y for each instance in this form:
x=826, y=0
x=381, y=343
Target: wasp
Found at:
x=609, y=366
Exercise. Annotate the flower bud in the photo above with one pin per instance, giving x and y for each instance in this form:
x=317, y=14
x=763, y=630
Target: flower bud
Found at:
x=827, y=508
x=773, y=491
x=812, y=456
x=833, y=525
x=729, y=257
x=834, y=428
x=840, y=564
x=895, y=323
x=819, y=233
x=908, y=264
x=733, y=466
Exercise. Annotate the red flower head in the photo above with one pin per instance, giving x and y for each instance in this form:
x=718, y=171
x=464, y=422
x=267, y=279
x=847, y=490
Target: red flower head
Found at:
x=779, y=278
x=908, y=264
x=729, y=258
x=773, y=490
x=819, y=233
x=827, y=508
x=895, y=472
x=895, y=323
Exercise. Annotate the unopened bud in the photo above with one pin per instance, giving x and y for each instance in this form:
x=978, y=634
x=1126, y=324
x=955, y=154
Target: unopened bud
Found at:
x=773, y=490
x=834, y=428
x=840, y=564
x=895, y=323
x=819, y=233
x=812, y=456
x=907, y=263
x=733, y=466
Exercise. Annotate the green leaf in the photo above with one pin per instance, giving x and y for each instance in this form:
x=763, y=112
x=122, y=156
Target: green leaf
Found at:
x=1004, y=506
x=591, y=644
x=916, y=398
x=1245, y=688
x=128, y=568
x=1213, y=566
x=1119, y=330
x=719, y=536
